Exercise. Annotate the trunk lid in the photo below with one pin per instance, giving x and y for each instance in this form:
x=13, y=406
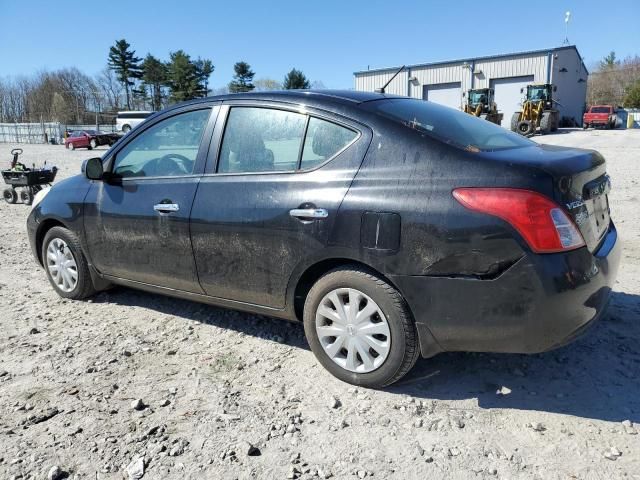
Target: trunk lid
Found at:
x=596, y=116
x=580, y=184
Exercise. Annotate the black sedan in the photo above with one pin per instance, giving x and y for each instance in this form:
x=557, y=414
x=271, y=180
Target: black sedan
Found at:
x=391, y=227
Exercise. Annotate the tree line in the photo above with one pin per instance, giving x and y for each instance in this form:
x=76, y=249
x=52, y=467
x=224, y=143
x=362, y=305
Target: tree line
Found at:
x=615, y=82
x=128, y=82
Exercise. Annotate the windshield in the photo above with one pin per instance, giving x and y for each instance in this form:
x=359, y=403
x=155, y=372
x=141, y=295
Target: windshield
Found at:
x=537, y=93
x=448, y=125
x=599, y=109
x=477, y=97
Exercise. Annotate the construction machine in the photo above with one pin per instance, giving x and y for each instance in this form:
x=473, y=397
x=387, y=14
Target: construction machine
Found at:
x=538, y=113
x=480, y=103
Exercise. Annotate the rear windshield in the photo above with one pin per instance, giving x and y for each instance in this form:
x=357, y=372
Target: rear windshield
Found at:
x=600, y=109
x=448, y=125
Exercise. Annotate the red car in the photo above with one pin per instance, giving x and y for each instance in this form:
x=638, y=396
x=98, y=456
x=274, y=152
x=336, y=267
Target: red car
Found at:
x=89, y=139
x=600, y=116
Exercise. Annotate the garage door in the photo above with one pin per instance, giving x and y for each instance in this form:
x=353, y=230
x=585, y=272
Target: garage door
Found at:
x=508, y=96
x=448, y=94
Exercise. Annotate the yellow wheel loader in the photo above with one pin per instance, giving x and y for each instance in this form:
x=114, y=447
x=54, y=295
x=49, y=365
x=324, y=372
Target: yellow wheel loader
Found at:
x=538, y=113
x=480, y=103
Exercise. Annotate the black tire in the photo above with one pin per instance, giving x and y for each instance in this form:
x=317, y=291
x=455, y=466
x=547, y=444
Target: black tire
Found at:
x=93, y=143
x=72, y=146
x=526, y=128
x=515, y=118
x=545, y=123
x=10, y=195
x=585, y=126
x=126, y=128
x=26, y=196
x=84, y=287
x=404, y=350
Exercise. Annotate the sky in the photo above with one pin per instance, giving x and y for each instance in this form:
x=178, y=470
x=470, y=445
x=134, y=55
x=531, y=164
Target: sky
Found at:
x=328, y=40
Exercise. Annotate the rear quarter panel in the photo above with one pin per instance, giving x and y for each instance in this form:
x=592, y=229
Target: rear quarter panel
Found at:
x=412, y=175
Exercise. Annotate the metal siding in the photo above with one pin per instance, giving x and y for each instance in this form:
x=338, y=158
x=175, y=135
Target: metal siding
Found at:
x=511, y=67
x=486, y=70
x=368, y=82
x=571, y=93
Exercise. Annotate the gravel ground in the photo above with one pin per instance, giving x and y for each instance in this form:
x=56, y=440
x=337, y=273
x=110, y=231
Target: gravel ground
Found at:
x=131, y=382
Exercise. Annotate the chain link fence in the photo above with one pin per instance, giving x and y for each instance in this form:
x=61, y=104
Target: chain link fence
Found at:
x=46, y=132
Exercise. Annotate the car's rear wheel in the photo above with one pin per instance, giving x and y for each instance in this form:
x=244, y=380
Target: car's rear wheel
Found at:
x=359, y=328
x=65, y=264
x=72, y=146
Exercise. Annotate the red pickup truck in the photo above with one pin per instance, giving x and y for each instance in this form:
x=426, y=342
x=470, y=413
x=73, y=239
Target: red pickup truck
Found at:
x=600, y=116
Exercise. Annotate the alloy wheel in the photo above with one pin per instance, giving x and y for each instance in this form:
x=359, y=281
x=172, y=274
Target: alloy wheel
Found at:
x=353, y=331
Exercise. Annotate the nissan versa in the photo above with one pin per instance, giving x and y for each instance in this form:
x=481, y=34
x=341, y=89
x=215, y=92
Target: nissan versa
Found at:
x=391, y=227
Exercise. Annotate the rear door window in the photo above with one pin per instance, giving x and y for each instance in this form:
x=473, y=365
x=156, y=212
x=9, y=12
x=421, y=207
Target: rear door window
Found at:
x=323, y=141
x=261, y=140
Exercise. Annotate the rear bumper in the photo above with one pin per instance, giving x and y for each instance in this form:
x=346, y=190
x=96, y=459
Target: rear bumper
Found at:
x=540, y=303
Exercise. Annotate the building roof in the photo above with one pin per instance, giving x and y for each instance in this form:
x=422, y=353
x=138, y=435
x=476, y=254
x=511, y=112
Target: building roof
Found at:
x=475, y=59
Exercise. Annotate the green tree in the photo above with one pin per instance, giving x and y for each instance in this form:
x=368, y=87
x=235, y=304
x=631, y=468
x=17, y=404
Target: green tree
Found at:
x=154, y=75
x=609, y=62
x=182, y=77
x=632, y=98
x=123, y=61
x=295, y=79
x=204, y=69
x=242, y=79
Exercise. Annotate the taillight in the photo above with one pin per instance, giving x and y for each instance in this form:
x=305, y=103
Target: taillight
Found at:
x=542, y=223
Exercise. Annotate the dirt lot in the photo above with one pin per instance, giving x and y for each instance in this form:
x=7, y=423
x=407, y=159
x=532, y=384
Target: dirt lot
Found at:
x=231, y=395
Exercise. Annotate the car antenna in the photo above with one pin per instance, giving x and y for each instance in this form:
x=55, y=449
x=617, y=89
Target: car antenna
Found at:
x=381, y=90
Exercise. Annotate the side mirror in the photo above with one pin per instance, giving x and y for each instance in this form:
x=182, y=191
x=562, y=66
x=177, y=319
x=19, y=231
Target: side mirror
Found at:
x=93, y=169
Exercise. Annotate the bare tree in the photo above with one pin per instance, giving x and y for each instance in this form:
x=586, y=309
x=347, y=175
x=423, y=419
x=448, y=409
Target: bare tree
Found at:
x=267, y=84
x=611, y=80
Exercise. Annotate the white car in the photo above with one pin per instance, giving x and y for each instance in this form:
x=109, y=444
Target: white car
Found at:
x=125, y=121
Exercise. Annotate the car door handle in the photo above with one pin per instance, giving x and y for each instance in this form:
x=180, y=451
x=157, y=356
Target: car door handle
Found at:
x=166, y=207
x=309, y=213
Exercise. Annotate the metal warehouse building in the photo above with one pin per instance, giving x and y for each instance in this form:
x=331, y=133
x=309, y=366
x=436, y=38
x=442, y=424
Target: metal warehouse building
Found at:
x=444, y=82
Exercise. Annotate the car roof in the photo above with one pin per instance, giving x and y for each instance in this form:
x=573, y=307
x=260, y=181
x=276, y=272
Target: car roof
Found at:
x=343, y=97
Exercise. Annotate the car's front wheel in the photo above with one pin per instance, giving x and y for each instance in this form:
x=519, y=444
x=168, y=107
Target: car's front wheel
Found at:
x=65, y=264
x=359, y=328
x=93, y=143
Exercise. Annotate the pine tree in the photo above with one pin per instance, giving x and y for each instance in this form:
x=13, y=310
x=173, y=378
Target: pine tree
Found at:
x=632, y=99
x=124, y=62
x=154, y=75
x=609, y=62
x=182, y=77
x=242, y=79
x=295, y=79
x=204, y=69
